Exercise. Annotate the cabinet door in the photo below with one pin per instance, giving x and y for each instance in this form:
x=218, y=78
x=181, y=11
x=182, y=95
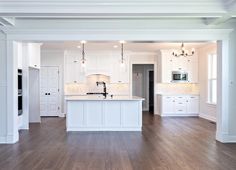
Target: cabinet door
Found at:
x=34, y=55
x=119, y=74
x=73, y=71
x=193, y=104
x=168, y=105
x=167, y=63
x=192, y=69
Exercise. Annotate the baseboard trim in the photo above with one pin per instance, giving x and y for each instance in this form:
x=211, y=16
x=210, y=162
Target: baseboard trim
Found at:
x=62, y=115
x=179, y=115
x=10, y=139
x=103, y=129
x=225, y=138
x=207, y=117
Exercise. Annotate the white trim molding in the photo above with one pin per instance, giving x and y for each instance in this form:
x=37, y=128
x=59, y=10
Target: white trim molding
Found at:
x=207, y=117
x=225, y=138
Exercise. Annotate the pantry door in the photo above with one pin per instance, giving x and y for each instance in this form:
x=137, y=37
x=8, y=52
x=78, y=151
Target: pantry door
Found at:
x=49, y=91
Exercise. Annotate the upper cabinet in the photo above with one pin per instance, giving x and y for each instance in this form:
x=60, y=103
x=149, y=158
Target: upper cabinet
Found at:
x=107, y=63
x=34, y=54
x=168, y=63
x=73, y=71
x=119, y=73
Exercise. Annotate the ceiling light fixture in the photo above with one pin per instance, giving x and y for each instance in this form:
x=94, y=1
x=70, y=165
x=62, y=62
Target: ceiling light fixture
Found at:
x=183, y=52
x=83, y=55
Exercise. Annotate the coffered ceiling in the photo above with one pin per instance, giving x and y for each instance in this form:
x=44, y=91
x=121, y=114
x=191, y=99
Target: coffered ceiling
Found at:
x=209, y=11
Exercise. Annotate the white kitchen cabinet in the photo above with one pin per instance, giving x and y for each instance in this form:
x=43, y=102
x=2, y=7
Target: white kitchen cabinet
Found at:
x=119, y=74
x=178, y=105
x=34, y=54
x=168, y=104
x=164, y=66
x=192, y=104
x=192, y=68
x=73, y=71
x=168, y=63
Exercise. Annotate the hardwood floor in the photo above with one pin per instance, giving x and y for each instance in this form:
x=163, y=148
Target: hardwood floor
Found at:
x=164, y=143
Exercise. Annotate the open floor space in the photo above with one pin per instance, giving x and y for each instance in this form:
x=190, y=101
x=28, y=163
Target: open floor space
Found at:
x=164, y=143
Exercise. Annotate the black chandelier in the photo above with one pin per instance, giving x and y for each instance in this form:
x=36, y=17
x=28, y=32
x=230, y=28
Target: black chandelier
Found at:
x=183, y=52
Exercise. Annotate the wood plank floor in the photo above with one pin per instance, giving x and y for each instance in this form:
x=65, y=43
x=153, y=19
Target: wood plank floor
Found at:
x=164, y=143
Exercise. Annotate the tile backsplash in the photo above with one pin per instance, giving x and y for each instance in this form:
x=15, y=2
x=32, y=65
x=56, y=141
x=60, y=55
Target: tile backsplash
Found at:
x=91, y=86
x=177, y=88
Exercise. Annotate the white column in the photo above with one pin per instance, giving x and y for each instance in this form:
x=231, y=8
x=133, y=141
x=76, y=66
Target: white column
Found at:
x=3, y=89
x=222, y=131
x=12, y=97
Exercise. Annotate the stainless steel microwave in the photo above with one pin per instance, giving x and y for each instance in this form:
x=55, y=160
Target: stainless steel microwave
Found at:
x=179, y=76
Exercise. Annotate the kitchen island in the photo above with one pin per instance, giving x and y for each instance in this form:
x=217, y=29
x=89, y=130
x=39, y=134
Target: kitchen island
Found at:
x=94, y=113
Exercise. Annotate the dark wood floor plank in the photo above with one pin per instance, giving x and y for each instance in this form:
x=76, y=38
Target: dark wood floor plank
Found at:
x=164, y=144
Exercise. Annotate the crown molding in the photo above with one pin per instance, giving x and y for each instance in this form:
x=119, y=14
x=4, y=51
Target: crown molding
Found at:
x=115, y=8
x=117, y=34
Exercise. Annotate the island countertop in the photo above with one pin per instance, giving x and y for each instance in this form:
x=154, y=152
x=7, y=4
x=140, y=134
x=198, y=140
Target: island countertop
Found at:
x=101, y=98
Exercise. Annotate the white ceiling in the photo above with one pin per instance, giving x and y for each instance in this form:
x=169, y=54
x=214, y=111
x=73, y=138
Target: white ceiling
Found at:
x=129, y=46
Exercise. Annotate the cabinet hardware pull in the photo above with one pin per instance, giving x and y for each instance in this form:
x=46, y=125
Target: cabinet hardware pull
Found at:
x=180, y=110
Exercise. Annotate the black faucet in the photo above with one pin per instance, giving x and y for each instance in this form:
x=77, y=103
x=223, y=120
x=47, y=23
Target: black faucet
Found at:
x=104, y=88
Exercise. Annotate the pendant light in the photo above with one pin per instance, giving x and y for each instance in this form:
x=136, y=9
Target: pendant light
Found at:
x=83, y=60
x=183, y=52
x=122, y=62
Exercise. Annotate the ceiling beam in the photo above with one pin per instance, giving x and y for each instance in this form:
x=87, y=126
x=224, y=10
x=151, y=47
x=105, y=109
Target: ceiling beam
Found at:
x=7, y=21
x=217, y=21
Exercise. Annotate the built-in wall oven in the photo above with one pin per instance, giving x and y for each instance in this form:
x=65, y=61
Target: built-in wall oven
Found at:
x=179, y=76
x=20, y=94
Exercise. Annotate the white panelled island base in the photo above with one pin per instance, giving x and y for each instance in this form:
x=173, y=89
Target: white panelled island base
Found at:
x=93, y=113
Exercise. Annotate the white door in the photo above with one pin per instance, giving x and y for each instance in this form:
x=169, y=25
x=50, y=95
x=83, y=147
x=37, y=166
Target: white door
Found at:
x=49, y=91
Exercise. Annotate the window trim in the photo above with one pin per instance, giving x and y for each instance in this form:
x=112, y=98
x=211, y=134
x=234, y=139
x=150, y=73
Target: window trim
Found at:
x=210, y=80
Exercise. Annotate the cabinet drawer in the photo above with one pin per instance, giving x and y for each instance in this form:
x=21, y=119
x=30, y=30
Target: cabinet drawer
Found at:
x=180, y=99
x=180, y=109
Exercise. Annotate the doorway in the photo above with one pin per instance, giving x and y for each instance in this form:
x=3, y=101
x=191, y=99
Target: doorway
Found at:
x=143, y=84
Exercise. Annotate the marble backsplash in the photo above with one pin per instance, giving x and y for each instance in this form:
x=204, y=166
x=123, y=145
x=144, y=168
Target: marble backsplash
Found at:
x=177, y=88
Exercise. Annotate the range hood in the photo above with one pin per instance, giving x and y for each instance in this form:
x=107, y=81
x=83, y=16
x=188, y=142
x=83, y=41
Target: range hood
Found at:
x=98, y=76
x=104, y=72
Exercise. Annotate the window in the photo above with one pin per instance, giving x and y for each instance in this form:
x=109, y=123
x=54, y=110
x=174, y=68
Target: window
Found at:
x=212, y=78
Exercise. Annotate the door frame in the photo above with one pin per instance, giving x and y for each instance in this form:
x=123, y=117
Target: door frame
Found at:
x=59, y=92
x=154, y=63
x=222, y=37
x=147, y=85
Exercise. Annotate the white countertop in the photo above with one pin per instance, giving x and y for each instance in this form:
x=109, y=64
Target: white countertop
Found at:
x=176, y=94
x=99, y=97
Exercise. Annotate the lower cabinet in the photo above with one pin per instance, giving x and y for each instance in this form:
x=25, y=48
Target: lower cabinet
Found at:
x=104, y=115
x=187, y=105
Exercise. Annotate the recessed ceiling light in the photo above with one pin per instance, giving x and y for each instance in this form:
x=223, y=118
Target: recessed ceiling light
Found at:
x=83, y=42
x=115, y=46
x=122, y=42
x=78, y=46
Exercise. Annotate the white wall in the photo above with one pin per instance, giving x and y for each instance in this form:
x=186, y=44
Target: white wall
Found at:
x=141, y=89
x=207, y=111
x=55, y=58
x=3, y=88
